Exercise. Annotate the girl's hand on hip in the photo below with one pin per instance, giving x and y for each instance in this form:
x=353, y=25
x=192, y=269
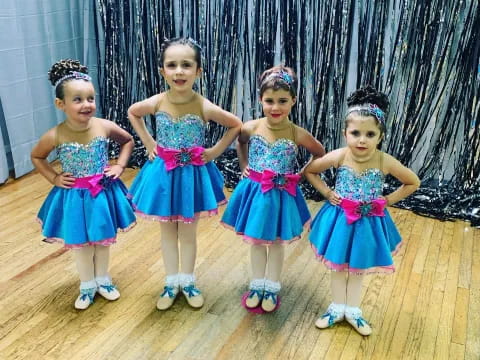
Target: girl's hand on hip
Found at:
x=152, y=153
x=64, y=180
x=208, y=155
x=246, y=172
x=334, y=198
x=114, y=171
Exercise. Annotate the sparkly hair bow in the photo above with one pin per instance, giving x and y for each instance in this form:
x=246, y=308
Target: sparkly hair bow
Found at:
x=282, y=75
x=372, y=109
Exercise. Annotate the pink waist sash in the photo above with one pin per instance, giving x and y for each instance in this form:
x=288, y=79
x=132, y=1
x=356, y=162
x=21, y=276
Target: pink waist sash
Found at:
x=270, y=180
x=354, y=210
x=94, y=183
x=187, y=156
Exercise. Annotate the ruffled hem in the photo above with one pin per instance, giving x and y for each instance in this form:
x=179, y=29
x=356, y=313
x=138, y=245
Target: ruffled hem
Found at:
x=104, y=242
x=180, y=218
x=356, y=271
x=256, y=241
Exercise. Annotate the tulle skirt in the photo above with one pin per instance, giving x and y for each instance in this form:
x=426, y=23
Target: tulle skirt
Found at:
x=76, y=218
x=182, y=194
x=364, y=246
x=266, y=218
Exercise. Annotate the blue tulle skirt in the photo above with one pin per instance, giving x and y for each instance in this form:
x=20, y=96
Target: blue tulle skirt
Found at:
x=364, y=246
x=76, y=218
x=265, y=218
x=182, y=194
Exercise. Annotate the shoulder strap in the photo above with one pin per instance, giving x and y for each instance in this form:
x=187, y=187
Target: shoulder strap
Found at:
x=381, y=161
x=57, y=134
x=342, y=157
x=292, y=125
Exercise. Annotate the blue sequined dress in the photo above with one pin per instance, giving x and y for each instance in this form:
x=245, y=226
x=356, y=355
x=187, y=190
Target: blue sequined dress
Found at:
x=185, y=192
x=364, y=246
x=75, y=217
x=269, y=217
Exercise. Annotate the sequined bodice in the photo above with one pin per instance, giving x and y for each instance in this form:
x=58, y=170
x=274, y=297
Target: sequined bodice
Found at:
x=278, y=156
x=84, y=159
x=364, y=186
x=184, y=132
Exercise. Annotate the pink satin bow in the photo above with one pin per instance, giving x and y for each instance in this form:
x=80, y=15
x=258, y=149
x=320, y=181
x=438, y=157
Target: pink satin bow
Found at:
x=174, y=158
x=354, y=210
x=92, y=183
x=270, y=180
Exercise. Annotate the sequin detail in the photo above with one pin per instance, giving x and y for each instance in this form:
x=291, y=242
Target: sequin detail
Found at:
x=365, y=186
x=183, y=132
x=279, y=156
x=83, y=160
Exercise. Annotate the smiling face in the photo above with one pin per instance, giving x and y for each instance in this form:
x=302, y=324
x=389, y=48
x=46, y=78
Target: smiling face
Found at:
x=362, y=135
x=277, y=105
x=179, y=68
x=78, y=102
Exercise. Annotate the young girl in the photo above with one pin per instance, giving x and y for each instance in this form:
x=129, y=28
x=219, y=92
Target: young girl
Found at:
x=267, y=207
x=180, y=183
x=88, y=203
x=353, y=233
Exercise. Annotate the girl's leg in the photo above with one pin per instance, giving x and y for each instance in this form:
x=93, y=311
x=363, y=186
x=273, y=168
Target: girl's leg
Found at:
x=104, y=282
x=169, y=236
x=101, y=260
x=336, y=310
x=187, y=236
x=276, y=254
x=258, y=261
x=85, y=266
x=353, y=314
x=354, y=290
x=338, y=286
x=84, y=261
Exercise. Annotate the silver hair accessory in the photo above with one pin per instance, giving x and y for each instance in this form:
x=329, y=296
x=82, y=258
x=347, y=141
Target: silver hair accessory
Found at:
x=74, y=75
x=372, y=109
x=283, y=75
x=195, y=43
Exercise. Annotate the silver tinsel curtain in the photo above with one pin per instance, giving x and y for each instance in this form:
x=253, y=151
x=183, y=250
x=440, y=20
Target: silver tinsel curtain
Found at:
x=423, y=54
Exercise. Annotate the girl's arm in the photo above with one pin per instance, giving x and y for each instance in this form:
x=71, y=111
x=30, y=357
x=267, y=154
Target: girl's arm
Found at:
x=136, y=112
x=226, y=119
x=39, y=155
x=125, y=140
x=319, y=165
x=314, y=147
x=410, y=180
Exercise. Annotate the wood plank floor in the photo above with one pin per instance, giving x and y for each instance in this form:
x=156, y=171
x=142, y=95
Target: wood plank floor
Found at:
x=428, y=309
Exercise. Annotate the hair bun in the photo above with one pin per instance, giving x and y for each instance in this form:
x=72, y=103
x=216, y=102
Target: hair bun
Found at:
x=65, y=67
x=368, y=95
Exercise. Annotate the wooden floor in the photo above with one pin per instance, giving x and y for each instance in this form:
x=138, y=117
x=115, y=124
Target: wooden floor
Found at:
x=429, y=309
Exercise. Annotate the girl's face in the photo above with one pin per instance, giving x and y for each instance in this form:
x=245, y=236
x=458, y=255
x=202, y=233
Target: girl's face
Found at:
x=79, y=101
x=179, y=69
x=277, y=104
x=362, y=135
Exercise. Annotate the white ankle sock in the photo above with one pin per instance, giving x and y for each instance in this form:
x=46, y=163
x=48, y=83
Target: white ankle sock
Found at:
x=103, y=280
x=172, y=280
x=257, y=284
x=186, y=279
x=272, y=286
x=91, y=284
